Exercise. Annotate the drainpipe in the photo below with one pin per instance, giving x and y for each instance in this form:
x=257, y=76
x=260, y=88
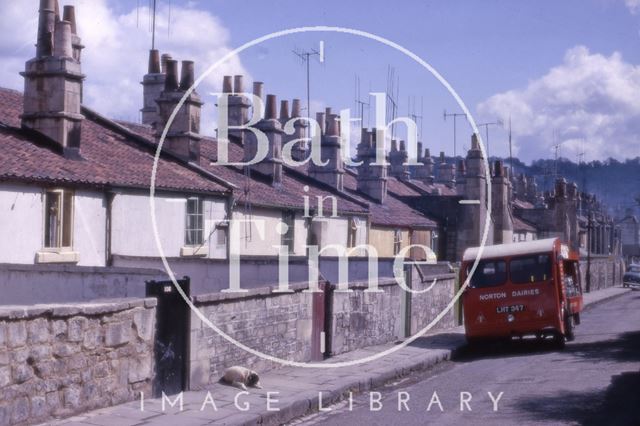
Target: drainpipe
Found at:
x=108, y=234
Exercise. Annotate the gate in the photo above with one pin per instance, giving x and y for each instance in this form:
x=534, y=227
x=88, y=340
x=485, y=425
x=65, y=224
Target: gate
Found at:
x=172, y=336
x=321, y=322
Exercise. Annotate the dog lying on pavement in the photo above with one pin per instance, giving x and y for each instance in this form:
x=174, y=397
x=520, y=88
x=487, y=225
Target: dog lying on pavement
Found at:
x=241, y=377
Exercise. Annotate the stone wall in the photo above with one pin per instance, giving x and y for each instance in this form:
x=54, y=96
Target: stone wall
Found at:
x=278, y=324
x=606, y=271
x=58, y=360
x=426, y=307
x=362, y=318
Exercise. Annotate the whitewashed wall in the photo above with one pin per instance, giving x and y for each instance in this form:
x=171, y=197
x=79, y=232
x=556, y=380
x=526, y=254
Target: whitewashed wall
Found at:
x=132, y=232
x=21, y=223
x=89, y=227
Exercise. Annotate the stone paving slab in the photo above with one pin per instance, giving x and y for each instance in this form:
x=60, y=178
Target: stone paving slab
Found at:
x=299, y=390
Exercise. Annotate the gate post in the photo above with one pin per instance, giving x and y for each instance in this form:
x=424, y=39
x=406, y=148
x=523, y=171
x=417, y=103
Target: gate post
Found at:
x=171, y=346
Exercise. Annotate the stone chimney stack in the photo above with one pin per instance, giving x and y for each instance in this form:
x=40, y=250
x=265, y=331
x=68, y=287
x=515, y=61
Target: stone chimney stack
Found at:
x=330, y=150
x=271, y=165
x=152, y=86
x=446, y=172
x=372, y=179
x=397, y=158
x=53, y=80
x=461, y=170
x=500, y=208
x=183, y=137
x=424, y=172
x=472, y=217
x=69, y=15
x=238, y=106
x=299, y=150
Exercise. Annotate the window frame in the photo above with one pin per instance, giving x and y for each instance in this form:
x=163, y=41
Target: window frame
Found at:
x=187, y=229
x=66, y=219
x=287, y=239
x=496, y=261
x=537, y=256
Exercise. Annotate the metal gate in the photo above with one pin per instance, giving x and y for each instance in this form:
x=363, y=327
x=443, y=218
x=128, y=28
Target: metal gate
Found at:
x=172, y=336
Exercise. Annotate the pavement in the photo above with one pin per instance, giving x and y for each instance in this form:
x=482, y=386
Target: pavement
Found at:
x=291, y=392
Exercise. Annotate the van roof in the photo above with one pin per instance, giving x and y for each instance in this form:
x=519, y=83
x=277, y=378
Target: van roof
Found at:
x=511, y=249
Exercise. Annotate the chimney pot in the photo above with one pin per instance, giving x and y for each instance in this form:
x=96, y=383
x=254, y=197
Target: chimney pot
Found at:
x=258, y=89
x=164, y=59
x=394, y=145
x=333, y=124
x=442, y=159
x=427, y=153
x=474, y=142
x=69, y=15
x=284, y=110
x=226, y=84
x=171, y=81
x=154, y=60
x=62, y=42
x=238, y=84
x=321, y=121
x=187, y=77
x=403, y=147
x=295, y=108
x=271, y=108
x=46, y=28
x=497, y=169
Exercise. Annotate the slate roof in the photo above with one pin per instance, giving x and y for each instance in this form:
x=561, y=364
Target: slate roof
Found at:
x=109, y=158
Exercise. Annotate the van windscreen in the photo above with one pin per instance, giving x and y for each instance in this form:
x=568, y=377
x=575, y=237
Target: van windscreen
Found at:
x=530, y=269
x=489, y=273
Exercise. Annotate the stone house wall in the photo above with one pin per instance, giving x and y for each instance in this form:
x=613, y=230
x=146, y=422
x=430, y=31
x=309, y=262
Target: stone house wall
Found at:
x=58, y=360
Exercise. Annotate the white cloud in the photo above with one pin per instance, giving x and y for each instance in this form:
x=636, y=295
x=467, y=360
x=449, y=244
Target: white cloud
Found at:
x=633, y=6
x=590, y=102
x=116, y=51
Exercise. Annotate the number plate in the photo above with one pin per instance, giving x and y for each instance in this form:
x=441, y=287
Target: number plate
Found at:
x=509, y=309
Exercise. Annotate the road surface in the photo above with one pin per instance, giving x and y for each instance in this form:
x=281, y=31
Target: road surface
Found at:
x=595, y=380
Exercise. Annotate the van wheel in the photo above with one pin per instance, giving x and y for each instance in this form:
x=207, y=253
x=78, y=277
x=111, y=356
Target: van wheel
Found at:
x=568, y=328
x=558, y=340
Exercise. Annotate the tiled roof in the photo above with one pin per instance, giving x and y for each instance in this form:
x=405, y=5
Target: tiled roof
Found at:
x=257, y=190
x=522, y=226
x=522, y=204
x=392, y=212
x=108, y=158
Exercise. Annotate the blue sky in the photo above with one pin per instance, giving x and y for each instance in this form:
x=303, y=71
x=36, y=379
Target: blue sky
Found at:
x=563, y=70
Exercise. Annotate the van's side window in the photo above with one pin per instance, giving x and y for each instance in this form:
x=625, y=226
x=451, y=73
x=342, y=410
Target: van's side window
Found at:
x=530, y=269
x=489, y=273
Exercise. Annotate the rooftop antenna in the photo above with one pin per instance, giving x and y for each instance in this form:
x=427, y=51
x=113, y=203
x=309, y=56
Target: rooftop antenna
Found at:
x=393, y=91
x=510, y=149
x=412, y=113
x=360, y=104
x=498, y=122
x=153, y=27
x=556, y=147
x=305, y=56
x=455, y=115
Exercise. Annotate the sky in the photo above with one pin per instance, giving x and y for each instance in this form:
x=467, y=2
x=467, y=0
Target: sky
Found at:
x=564, y=73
